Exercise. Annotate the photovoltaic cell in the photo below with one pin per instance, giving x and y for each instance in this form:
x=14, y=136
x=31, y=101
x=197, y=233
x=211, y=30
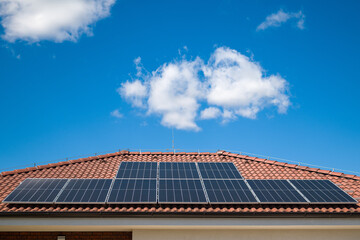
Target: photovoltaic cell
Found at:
x=213, y=170
x=36, y=190
x=85, y=191
x=322, y=191
x=137, y=170
x=181, y=191
x=178, y=182
x=275, y=191
x=228, y=191
x=133, y=191
x=178, y=170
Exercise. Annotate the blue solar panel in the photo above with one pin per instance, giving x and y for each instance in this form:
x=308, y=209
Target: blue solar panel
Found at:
x=137, y=170
x=322, y=191
x=85, y=191
x=228, y=191
x=178, y=170
x=133, y=191
x=212, y=170
x=275, y=191
x=36, y=190
x=181, y=191
x=180, y=183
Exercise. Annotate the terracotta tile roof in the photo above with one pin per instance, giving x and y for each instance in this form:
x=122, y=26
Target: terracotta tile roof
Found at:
x=105, y=166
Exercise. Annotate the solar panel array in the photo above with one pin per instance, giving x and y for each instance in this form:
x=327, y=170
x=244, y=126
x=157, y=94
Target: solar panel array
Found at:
x=137, y=170
x=36, y=191
x=178, y=170
x=133, y=191
x=84, y=191
x=229, y=191
x=322, y=191
x=181, y=191
x=211, y=170
x=178, y=182
x=276, y=191
x=136, y=182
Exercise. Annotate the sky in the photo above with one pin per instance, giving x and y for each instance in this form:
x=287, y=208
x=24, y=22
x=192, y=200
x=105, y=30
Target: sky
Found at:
x=275, y=78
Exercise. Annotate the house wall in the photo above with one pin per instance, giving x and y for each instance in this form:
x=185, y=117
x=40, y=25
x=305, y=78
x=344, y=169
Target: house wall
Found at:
x=68, y=235
x=277, y=234
x=180, y=228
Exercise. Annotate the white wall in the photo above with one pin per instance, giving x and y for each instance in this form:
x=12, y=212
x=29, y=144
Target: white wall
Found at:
x=279, y=234
x=186, y=224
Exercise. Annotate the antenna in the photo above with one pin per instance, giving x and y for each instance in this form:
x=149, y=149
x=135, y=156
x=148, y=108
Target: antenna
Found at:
x=173, y=141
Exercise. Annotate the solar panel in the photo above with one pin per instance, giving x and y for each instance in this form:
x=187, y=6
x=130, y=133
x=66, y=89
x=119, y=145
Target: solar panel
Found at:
x=211, y=170
x=181, y=191
x=35, y=190
x=178, y=182
x=133, y=191
x=137, y=170
x=275, y=191
x=228, y=191
x=178, y=170
x=322, y=191
x=85, y=191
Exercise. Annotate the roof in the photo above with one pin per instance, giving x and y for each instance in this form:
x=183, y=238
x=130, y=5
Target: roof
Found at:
x=106, y=166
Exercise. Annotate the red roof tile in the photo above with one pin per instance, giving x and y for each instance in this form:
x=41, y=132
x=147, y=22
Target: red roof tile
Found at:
x=105, y=166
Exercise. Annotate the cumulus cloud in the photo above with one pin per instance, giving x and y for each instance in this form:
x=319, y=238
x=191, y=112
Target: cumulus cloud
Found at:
x=277, y=19
x=229, y=85
x=135, y=92
x=237, y=84
x=210, y=112
x=175, y=91
x=116, y=113
x=54, y=20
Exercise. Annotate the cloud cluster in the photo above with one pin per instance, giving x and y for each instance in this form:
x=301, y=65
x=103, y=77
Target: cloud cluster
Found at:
x=227, y=86
x=54, y=20
x=277, y=19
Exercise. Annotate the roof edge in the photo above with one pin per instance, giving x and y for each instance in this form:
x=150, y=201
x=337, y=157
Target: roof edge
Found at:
x=98, y=157
x=288, y=165
x=134, y=214
x=220, y=152
x=63, y=163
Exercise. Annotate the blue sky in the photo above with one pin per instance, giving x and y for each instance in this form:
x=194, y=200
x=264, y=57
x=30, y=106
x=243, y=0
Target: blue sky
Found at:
x=293, y=69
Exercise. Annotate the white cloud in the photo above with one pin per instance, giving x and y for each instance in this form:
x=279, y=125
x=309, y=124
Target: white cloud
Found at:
x=54, y=20
x=228, y=85
x=276, y=19
x=139, y=68
x=134, y=92
x=210, y=112
x=237, y=84
x=116, y=113
x=228, y=115
x=175, y=91
x=300, y=23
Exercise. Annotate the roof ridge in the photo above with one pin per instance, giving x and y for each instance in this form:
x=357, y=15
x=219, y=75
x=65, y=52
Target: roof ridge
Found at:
x=123, y=152
x=63, y=163
x=219, y=152
x=293, y=166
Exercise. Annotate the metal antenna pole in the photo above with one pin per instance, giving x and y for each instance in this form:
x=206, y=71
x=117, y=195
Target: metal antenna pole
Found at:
x=173, y=143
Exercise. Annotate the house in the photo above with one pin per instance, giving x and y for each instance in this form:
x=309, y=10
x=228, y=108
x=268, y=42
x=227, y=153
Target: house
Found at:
x=178, y=221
